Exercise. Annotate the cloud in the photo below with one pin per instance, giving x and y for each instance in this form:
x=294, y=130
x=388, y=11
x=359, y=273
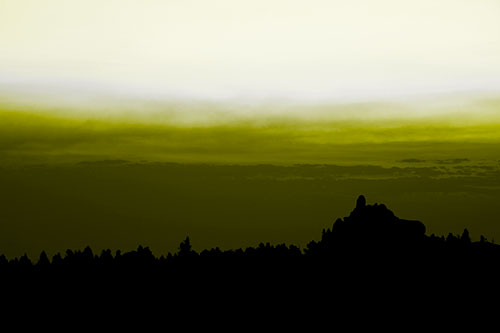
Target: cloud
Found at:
x=452, y=161
x=412, y=160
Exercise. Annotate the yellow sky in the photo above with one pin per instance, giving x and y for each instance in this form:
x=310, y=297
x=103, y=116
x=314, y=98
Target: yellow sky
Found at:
x=217, y=49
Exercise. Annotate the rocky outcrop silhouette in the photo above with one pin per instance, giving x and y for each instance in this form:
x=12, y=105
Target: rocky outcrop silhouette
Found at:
x=375, y=224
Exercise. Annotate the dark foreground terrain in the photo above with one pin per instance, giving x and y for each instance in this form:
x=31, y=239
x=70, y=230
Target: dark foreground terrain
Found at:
x=366, y=259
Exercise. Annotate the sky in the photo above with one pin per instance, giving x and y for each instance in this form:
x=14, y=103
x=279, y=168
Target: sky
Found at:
x=333, y=50
x=127, y=122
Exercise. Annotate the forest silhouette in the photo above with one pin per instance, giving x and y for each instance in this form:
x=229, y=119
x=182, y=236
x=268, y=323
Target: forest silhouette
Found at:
x=371, y=241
